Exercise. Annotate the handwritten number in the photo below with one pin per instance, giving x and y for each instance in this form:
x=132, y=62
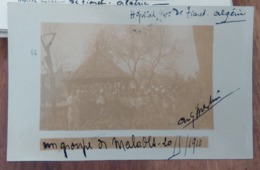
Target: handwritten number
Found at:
x=34, y=52
x=166, y=143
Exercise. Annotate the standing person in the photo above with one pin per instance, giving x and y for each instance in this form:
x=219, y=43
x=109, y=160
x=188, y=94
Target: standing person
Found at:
x=100, y=101
x=73, y=111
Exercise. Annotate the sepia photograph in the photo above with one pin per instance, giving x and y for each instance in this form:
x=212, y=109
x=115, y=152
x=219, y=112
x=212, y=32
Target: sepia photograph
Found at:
x=125, y=77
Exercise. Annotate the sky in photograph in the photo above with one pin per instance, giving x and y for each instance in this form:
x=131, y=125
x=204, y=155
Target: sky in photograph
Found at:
x=73, y=43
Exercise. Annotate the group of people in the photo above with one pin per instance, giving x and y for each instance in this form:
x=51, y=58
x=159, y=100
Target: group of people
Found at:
x=108, y=98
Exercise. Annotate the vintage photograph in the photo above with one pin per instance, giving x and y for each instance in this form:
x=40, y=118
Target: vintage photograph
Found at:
x=125, y=77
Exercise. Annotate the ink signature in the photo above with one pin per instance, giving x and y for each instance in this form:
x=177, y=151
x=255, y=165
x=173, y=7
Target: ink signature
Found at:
x=201, y=110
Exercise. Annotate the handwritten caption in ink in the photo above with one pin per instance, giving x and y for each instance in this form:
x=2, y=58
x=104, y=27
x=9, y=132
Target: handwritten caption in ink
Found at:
x=179, y=144
x=222, y=16
x=99, y=2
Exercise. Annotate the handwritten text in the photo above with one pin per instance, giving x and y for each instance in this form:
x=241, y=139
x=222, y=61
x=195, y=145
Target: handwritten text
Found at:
x=126, y=143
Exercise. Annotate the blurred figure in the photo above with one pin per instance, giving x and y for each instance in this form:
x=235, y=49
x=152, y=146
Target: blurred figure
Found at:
x=100, y=101
x=73, y=110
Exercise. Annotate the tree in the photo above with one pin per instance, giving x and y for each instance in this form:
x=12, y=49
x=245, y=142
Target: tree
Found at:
x=145, y=51
x=47, y=44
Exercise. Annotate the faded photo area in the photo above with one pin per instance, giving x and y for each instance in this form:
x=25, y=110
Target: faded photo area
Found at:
x=120, y=77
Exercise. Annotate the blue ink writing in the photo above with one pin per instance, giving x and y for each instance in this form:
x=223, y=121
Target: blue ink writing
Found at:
x=201, y=110
x=228, y=14
x=74, y=146
x=133, y=143
x=191, y=13
x=142, y=15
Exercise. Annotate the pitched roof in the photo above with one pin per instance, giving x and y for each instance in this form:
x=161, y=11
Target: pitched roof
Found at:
x=99, y=69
